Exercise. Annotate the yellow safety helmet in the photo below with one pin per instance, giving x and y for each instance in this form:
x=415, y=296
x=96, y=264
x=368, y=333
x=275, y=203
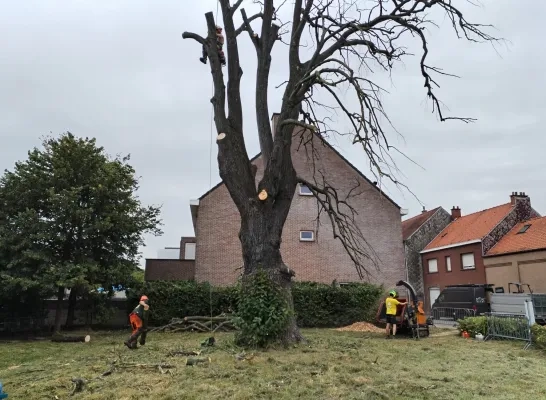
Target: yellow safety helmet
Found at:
x=392, y=293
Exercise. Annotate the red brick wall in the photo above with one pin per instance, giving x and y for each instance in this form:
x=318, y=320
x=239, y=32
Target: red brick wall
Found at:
x=218, y=252
x=169, y=270
x=183, y=241
x=457, y=274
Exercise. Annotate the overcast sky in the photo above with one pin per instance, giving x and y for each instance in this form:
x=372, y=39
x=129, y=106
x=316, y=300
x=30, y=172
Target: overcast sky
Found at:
x=119, y=71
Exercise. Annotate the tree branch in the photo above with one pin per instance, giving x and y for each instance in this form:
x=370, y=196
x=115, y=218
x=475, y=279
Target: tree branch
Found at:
x=342, y=216
x=194, y=36
x=245, y=26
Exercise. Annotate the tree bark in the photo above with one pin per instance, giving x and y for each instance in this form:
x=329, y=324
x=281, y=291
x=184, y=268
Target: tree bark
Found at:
x=71, y=308
x=59, y=309
x=260, y=236
x=70, y=339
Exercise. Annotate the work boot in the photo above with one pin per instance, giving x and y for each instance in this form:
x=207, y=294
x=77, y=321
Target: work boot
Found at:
x=203, y=60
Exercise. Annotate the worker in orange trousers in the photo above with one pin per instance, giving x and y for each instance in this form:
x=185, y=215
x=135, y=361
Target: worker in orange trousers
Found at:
x=139, y=323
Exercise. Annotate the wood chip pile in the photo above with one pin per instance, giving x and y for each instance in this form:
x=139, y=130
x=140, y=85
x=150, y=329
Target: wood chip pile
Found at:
x=360, y=327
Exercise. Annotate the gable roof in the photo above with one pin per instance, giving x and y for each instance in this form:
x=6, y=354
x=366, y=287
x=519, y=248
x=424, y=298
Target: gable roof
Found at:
x=534, y=238
x=471, y=227
x=335, y=152
x=410, y=225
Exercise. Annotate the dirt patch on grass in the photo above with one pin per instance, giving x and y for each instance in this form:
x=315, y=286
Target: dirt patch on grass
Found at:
x=361, y=327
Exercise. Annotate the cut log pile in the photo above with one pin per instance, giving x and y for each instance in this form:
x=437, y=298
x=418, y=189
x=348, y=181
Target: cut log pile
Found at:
x=221, y=323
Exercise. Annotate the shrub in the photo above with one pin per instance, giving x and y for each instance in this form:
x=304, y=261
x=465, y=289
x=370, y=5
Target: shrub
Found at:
x=320, y=305
x=183, y=298
x=474, y=325
x=315, y=304
x=508, y=326
x=262, y=312
x=538, y=334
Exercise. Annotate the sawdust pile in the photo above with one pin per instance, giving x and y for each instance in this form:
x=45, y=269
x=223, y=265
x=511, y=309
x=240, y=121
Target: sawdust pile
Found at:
x=360, y=327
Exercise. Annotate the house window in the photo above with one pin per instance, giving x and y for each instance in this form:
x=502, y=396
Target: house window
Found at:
x=524, y=228
x=307, y=236
x=448, y=264
x=305, y=191
x=468, y=261
x=432, y=266
x=189, y=251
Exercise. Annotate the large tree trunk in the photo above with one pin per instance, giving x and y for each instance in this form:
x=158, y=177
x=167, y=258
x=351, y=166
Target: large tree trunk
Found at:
x=260, y=237
x=59, y=309
x=71, y=307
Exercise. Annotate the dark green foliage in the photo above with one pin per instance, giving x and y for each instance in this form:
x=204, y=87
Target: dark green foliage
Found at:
x=70, y=218
x=262, y=311
x=320, y=305
x=538, y=333
x=316, y=305
x=508, y=326
x=474, y=325
x=181, y=299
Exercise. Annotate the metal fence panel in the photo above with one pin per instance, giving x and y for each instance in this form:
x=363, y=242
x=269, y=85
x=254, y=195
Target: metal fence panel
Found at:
x=448, y=316
x=508, y=326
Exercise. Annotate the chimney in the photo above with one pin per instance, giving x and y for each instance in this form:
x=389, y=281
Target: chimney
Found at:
x=274, y=122
x=424, y=210
x=455, y=213
x=515, y=197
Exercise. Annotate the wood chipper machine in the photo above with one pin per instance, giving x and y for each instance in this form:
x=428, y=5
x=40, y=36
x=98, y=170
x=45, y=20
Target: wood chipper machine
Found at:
x=409, y=317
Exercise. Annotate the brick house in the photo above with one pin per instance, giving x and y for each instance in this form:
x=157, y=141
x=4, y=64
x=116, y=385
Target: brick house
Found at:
x=456, y=254
x=417, y=232
x=520, y=256
x=173, y=263
x=308, y=246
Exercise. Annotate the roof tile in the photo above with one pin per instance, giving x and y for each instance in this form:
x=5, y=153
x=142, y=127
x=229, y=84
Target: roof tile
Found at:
x=410, y=225
x=534, y=238
x=470, y=227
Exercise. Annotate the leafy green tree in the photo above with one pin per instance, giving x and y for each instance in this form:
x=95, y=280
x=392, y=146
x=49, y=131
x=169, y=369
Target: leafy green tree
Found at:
x=70, y=218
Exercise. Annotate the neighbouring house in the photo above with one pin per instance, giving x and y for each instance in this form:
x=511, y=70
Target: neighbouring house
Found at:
x=173, y=263
x=308, y=246
x=417, y=232
x=456, y=254
x=520, y=256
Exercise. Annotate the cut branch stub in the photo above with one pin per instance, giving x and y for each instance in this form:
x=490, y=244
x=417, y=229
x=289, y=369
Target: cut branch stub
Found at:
x=263, y=195
x=220, y=136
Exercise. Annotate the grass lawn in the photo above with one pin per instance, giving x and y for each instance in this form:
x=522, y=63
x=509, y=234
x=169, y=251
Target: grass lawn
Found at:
x=333, y=365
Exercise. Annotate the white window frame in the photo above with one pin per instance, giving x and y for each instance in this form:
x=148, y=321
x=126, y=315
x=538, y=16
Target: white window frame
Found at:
x=301, y=186
x=306, y=239
x=448, y=263
x=429, y=265
x=468, y=267
x=186, y=251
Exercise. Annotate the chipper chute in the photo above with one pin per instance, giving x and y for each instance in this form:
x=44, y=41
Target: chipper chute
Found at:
x=411, y=316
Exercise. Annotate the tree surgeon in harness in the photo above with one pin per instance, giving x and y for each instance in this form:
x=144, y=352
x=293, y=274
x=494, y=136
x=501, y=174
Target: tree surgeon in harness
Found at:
x=139, y=323
x=219, y=45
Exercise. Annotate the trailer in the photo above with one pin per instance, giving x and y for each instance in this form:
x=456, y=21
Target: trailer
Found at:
x=514, y=303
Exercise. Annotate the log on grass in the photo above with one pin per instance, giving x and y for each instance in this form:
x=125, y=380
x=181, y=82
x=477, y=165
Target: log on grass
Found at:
x=70, y=339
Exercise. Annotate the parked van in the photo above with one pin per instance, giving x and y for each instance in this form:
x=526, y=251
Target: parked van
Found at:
x=469, y=296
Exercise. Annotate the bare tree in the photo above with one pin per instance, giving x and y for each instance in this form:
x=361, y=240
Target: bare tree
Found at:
x=342, y=39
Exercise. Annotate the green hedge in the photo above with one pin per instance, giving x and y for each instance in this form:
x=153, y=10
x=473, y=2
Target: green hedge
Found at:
x=319, y=305
x=316, y=305
x=474, y=325
x=538, y=333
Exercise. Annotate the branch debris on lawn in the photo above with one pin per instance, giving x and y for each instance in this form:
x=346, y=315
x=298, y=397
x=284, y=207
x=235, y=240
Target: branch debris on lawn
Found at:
x=361, y=327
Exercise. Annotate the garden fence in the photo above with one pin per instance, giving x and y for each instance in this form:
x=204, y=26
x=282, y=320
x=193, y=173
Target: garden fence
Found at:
x=509, y=326
x=448, y=316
